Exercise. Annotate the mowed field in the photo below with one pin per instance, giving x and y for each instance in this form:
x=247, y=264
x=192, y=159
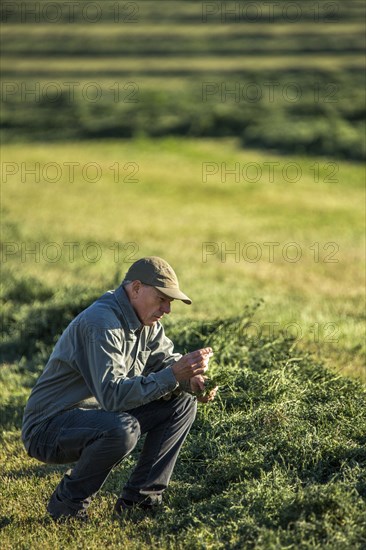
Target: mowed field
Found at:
x=187, y=68
x=176, y=45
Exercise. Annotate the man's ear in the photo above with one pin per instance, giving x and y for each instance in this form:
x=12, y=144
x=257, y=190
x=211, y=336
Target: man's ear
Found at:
x=135, y=287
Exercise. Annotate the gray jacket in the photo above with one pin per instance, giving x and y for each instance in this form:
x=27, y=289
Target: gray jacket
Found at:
x=105, y=358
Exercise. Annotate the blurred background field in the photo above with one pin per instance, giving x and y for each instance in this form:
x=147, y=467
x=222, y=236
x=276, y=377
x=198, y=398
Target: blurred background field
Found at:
x=285, y=76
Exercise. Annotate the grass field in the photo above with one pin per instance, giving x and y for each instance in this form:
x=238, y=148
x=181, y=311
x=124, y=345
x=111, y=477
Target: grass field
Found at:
x=278, y=461
x=183, y=205
x=310, y=54
x=248, y=200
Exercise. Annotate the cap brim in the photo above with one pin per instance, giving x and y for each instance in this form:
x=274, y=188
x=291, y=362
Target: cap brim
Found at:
x=175, y=294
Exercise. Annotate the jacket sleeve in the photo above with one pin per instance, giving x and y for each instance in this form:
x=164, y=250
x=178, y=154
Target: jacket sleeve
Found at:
x=162, y=354
x=161, y=349
x=106, y=374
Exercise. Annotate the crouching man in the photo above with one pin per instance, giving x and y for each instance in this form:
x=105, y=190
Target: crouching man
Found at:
x=113, y=376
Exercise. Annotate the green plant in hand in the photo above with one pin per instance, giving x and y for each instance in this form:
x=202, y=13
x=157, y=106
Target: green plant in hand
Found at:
x=210, y=385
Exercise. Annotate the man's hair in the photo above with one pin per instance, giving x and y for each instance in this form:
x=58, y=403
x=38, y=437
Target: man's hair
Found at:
x=126, y=282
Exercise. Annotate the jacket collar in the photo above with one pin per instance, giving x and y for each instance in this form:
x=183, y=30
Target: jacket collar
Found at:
x=128, y=312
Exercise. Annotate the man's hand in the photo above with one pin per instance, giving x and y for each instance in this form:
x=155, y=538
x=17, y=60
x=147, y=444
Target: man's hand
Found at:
x=192, y=364
x=198, y=384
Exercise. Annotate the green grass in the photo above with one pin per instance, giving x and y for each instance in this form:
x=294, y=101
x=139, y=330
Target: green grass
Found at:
x=177, y=29
x=172, y=212
x=201, y=65
x=277, y=462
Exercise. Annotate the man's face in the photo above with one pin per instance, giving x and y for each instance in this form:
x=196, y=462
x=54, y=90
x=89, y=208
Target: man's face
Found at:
x=149, y=303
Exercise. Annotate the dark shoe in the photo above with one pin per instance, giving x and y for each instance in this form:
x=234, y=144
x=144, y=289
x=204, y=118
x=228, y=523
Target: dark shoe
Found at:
x=61, y=513
x=123, y=506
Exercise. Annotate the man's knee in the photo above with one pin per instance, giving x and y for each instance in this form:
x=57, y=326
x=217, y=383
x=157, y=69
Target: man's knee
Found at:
x=123, y=435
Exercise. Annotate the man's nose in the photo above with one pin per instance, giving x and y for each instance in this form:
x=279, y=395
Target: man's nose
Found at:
x=166, y=308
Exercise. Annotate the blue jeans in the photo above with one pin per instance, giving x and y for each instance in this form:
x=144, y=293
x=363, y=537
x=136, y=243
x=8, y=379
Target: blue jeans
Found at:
x=98, y=440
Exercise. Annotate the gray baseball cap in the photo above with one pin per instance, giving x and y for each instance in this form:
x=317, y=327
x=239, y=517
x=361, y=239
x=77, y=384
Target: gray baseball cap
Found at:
x=156, y=272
